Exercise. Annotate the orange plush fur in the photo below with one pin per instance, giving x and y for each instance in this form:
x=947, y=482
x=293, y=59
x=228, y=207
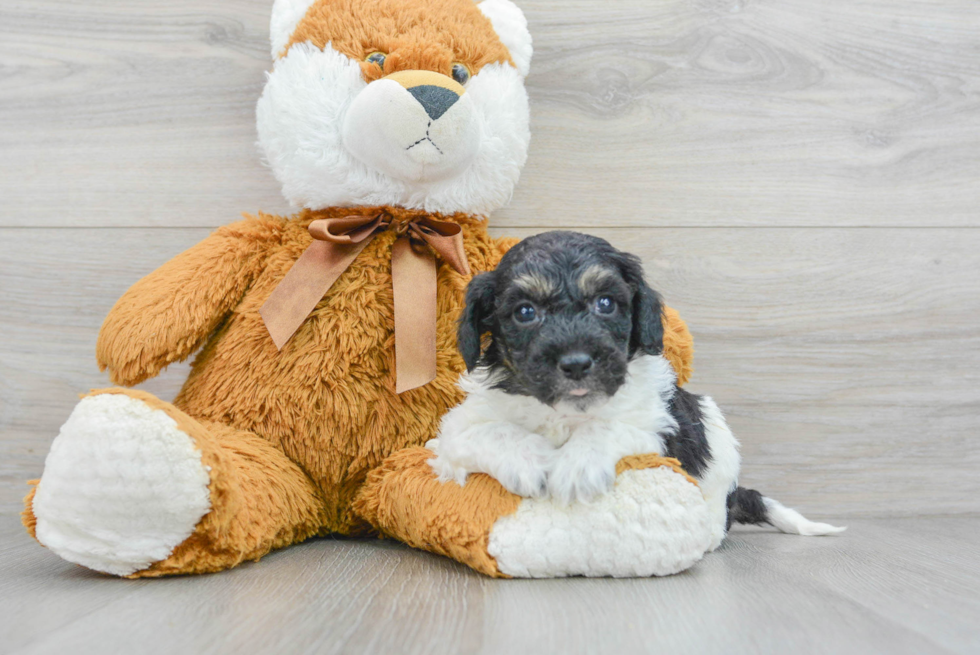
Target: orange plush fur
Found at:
x=292, y=436
x=405, y=501
x=430, y=35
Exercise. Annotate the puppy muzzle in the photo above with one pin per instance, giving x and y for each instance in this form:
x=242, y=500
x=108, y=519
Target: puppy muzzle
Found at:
x=577, y=366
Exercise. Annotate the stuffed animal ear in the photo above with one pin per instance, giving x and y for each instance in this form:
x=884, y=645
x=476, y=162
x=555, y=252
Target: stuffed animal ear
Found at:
x=648, y=309
x=286, y=15
x=477, y=318
x=511, y=27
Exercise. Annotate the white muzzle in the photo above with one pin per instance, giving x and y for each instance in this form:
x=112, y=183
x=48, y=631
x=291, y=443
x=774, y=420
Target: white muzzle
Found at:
x=416, y=126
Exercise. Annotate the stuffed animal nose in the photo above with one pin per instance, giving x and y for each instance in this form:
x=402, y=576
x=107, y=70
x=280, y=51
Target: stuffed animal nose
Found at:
x=575, y=365
x=434, y=91
x=434, y=99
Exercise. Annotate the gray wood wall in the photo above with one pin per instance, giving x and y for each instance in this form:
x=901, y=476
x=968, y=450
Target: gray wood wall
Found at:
x=800, y=178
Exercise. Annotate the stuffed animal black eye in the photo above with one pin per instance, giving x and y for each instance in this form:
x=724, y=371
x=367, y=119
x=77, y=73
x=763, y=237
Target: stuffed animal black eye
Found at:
x=461, y=73
x=376, y=58
x=605, y=305
x=525, y=313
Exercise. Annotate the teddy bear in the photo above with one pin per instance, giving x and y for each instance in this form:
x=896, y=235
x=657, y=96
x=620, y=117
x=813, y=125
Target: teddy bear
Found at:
x=326, y=341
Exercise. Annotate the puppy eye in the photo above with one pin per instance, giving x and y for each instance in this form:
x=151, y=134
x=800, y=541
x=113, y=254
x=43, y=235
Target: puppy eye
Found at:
x=461, y=73
x=525, y=313
x=376, y=58
x=605, y=305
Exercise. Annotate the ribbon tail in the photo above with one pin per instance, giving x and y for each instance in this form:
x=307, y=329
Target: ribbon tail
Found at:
x=297, y=295
x=446, y=239
x=414, y=280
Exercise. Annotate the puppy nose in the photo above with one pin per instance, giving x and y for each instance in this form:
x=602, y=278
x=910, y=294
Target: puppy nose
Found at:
x=575, y=365
x=434, y=91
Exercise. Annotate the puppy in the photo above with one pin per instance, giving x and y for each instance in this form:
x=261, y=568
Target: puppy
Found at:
x=565, y=376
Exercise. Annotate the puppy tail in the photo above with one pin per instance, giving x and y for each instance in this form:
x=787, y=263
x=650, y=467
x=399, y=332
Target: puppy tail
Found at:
x=749, y=506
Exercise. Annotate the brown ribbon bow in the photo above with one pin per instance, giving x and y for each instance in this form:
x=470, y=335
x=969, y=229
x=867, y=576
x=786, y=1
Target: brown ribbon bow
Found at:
x=336, y=243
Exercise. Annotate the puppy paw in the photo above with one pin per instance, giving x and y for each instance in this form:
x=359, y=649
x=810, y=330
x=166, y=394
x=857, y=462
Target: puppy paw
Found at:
x=580, y=479
x=524, y=478
x=445, y=471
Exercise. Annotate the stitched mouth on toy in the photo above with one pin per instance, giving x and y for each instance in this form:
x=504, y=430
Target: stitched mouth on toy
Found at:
x=425, y=139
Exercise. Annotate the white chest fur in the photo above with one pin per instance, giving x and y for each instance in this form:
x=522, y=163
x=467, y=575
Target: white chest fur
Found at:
x=523, y=443
x=640, y=403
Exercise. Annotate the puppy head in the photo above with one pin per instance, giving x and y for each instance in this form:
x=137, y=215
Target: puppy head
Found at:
x=398, y=102
x=565, y=313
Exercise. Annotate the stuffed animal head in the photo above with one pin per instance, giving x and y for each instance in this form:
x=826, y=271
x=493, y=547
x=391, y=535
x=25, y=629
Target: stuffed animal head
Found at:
x=414, y=103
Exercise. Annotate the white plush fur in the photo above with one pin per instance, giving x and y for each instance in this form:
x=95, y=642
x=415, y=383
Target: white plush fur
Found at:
x=526, y=444
x=286, y=15
x=791, y=521
x=304, y=132
x=654, y=522
x=122, y=486
x=511, y=27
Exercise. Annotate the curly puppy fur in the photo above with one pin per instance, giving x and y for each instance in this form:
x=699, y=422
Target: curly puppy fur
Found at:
x=572, y=378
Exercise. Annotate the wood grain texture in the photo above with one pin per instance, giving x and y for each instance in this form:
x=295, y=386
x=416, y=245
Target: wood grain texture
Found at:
x=683, y=112
x=889, y=586
x=132, y=115
x=846, y=359
x=749, y=112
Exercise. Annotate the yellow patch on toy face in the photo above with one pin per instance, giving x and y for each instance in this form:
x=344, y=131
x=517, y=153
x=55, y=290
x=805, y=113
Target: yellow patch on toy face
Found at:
x=427, y=35
x=413, y=79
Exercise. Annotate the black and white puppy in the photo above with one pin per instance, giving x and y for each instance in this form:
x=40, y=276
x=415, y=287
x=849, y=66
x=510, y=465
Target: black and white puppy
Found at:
x=572, y=378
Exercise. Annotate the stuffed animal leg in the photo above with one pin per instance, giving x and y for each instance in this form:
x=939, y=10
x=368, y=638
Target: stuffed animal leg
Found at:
x=135, y=487
x=654, y=522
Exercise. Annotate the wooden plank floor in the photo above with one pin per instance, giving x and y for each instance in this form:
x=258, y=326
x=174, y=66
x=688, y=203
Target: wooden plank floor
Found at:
x=885, y=586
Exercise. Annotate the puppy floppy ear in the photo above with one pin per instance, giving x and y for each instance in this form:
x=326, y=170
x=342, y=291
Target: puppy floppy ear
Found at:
x=648, y=309
x=477, y=318
x=648, y=321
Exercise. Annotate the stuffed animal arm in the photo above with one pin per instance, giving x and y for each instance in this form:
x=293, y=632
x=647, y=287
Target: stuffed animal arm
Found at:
x=654, y=522
x=167, y=316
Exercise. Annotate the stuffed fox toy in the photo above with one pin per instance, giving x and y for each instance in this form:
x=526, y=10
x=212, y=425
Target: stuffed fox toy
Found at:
x=391, y=124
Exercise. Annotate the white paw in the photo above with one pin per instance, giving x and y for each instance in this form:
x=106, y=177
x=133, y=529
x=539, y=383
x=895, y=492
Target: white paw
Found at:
x=578, y=477
x=444, y=469
x=526, y=477
x=122, y=486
